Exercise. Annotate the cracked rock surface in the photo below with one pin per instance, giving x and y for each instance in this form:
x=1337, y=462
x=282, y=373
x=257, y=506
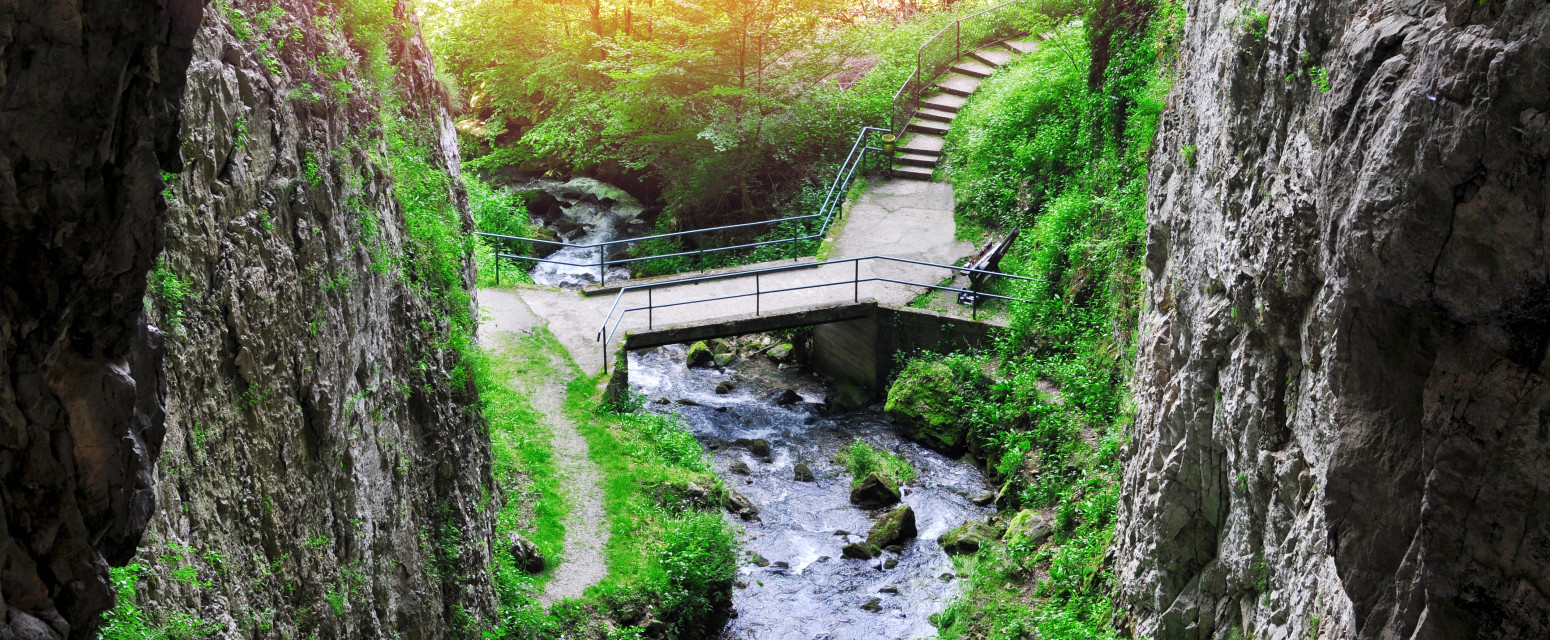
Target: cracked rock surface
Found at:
x=323, y=473
x=1342, y=376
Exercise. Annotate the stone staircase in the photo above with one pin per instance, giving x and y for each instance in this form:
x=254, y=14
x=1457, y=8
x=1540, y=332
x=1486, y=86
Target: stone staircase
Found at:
x=920, y=147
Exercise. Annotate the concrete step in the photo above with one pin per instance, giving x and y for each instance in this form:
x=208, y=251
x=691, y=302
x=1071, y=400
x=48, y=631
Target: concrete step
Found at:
x=973, y=68
x=939, y=115
x=994, y=56
x=912, y=173
x=958, y=85
x=1022, y=46
x=928, y=126
x=922, y=143
x=944, y=102
x=915, y=160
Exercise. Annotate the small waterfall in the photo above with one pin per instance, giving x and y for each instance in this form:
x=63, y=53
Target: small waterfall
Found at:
x=588, y=211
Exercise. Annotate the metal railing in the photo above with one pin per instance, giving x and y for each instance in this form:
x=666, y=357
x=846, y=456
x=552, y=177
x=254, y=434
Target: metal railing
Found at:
x=942, y=50
x=831, y=204
x=605, y=333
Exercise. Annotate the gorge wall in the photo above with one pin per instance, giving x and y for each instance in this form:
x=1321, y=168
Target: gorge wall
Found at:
x=89, y=95
x=1343, y=389
x=323, y=473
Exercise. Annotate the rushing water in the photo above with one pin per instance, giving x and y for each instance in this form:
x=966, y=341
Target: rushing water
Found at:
x=808, y=590
x=589, y=212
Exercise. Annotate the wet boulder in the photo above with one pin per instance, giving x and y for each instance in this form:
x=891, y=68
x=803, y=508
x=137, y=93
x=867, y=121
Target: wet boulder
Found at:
x=860, y=551
x=525, y=555
x=788, y=397
x=968, y=538
x=725, y=387
x=802, y=473
x=739, y=505
x=874, y=605
x=921, y=403
x=897, y=526
x=700, y=355
x=1028, y=525
x=740, y=468
x=875, y=491
x=761, y=448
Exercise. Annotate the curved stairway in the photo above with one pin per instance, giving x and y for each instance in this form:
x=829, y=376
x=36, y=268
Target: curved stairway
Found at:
x=921, y=147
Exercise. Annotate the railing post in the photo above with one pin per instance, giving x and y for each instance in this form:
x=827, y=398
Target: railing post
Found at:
x=856, y=280
x=602, y=265
x=756, y=292
x=497, y=269
x=648, y=309
x=702, y=257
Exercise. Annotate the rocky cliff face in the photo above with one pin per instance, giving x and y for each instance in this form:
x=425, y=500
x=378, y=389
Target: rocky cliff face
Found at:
x=1344, y=425
x=323, y=474
x=89, y=96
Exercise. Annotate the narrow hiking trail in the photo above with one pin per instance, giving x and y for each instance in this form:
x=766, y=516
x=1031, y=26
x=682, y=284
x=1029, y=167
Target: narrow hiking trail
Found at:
x=586, y=532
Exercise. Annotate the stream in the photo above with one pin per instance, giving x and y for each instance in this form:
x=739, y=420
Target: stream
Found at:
x=807, y=589
x=584, y=211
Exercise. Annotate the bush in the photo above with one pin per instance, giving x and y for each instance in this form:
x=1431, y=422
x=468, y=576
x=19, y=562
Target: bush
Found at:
x=862, y=459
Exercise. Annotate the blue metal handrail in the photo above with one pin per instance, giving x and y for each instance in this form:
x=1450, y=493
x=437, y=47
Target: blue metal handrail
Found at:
x=605, y=334
x=831, y=203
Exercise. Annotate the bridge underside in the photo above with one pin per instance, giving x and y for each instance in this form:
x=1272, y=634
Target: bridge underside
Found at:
x=855, y=342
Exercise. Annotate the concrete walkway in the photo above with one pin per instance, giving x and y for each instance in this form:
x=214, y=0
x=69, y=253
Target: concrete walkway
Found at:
x=900, y=218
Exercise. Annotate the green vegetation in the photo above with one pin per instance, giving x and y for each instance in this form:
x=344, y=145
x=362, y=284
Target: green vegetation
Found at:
x=168, y=291
x=862, y=459
x=1254, y=22
x=126, y=621
x=734, y=111
x=1057, y=145
x=1320, y=77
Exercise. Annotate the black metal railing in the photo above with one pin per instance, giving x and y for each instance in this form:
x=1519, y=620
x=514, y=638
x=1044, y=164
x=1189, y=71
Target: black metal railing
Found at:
x=943, y=49
x=826, y=213
x=605, y=333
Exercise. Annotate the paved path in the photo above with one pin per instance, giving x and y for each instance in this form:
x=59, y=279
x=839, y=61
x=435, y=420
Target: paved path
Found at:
x=900, y=218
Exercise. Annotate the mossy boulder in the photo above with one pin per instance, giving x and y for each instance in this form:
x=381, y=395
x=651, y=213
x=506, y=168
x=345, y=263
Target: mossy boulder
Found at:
x=968, y=538
x=700, y=355
x=921, y=402
x=1028, y=525
x=897, y=526
x=780, y=351
x=875, y=491
x=802, y=472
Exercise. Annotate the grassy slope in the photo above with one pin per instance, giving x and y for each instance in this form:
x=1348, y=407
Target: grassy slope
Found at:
x=1036, y=150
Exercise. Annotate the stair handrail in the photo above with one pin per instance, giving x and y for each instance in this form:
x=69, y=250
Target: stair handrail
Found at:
x=915, y=85
x=606, y=334
x=831, y=204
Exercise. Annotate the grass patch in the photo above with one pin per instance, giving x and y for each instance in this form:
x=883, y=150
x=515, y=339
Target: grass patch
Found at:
x=862, y=459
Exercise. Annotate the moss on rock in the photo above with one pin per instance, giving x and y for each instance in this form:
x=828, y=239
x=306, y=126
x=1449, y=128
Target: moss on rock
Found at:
x=700, y=355
x=921, y=401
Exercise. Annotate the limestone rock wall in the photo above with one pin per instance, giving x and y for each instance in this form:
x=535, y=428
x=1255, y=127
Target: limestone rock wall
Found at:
x=323, y=474
x=89, y=95
x=1344, y=409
